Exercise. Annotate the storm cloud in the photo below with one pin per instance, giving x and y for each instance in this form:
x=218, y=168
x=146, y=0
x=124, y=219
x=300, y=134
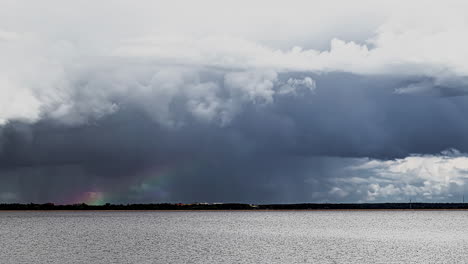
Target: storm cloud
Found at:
x=130, y=103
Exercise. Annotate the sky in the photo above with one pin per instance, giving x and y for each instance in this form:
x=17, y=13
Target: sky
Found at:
x=242, y=101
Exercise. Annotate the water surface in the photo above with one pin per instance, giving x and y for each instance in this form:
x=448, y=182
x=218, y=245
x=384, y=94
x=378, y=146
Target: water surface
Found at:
x=235, y=237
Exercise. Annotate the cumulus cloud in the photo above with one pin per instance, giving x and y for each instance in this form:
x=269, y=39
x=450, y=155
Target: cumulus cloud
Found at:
x=48, y=70
x=293, y=85
x=438, y=177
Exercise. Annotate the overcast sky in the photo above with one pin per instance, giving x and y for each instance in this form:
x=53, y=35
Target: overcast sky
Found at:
x=240, y=101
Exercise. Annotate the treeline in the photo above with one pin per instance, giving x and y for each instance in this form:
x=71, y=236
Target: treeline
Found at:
x=236, y=206
x=161, y=206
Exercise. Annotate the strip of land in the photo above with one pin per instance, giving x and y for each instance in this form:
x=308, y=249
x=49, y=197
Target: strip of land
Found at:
x=235, y=206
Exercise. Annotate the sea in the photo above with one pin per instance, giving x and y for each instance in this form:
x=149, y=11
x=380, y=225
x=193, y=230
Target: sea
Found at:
x=234, y=237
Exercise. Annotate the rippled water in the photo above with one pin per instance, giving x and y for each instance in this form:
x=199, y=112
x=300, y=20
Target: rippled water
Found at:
x=235, y=237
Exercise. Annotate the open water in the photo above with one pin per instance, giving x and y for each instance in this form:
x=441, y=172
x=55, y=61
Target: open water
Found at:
x=235, y=237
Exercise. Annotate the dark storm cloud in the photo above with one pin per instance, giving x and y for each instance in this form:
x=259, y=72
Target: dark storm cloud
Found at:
x=287, y=151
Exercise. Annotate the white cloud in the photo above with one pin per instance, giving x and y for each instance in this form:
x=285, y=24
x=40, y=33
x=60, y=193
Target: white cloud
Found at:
x=71, y=64
x=293, y=85
x=7, y=36
x=254, y=86
x=417, y=177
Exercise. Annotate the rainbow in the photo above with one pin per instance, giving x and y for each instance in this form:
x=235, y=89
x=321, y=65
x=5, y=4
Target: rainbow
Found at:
x=149, y=185
x=89, y=197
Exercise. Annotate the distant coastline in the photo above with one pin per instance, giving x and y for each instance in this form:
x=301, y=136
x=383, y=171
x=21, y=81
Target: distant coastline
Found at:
x=232, y=206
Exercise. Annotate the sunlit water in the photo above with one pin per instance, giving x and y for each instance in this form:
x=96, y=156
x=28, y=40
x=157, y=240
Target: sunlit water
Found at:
x=235, y=237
